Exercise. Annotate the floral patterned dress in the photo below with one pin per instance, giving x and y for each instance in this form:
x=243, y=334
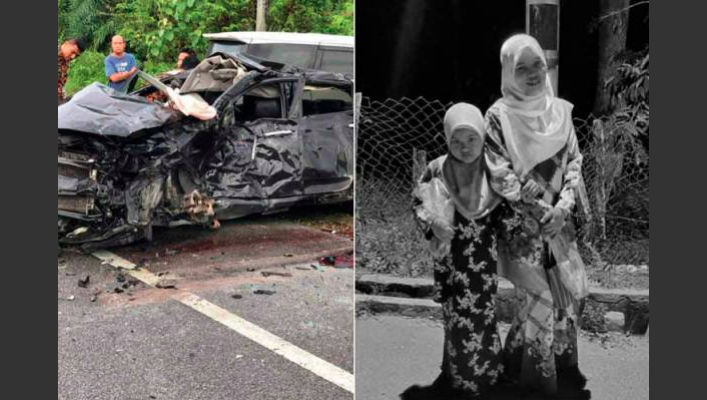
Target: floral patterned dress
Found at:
x=542, y=341
x=466, y=283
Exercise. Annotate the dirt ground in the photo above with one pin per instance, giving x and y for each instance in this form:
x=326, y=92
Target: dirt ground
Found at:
x=337, y=219
x=396, y=248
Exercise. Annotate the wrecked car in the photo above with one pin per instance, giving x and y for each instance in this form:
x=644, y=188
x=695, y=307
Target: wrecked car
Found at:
x=230, y=138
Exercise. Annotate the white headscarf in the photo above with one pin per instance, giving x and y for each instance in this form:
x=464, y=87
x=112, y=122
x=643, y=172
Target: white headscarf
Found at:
x=536, y=127
x=464, y=115
x=460, y=116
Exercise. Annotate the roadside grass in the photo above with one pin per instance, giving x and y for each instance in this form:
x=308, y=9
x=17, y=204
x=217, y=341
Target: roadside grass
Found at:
x=397, y=247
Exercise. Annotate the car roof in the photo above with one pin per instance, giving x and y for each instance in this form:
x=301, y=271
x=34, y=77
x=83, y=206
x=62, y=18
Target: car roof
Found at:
x=283, y=37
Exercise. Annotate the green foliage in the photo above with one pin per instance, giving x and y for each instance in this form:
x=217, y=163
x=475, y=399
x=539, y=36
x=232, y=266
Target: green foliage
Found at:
x=157, y=67
x=155, y=30
x=616, y=154
x=629, y=94
x=89, y=19
x=62, y=10
x=322, y=16
x=85, y=70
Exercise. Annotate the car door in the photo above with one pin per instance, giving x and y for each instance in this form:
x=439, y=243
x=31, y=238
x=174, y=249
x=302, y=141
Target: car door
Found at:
x=278, y=155
x=327, y=139
x=257, y=156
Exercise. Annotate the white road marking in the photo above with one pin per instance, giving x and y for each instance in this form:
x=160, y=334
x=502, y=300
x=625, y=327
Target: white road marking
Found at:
x=274, y=343
x=113, y=259
x=310, y=362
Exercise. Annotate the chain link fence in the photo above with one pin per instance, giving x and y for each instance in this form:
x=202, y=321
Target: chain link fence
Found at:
x=397, y=137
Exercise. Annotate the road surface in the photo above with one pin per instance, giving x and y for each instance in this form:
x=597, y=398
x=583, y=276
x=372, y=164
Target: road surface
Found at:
x=119, y=338
x=393, y=353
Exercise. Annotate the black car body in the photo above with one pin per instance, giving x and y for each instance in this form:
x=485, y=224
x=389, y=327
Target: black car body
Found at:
x=282, y=137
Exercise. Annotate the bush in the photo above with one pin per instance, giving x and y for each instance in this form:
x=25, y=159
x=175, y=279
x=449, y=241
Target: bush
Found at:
x=157, y=67
x=592, y=318
x=324, y=16
x=157, y=29
x=86, y=69
x=395, y=246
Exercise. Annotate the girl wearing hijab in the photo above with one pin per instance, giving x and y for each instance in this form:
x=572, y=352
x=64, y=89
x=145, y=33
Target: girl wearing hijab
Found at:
x=458, y=209
x=534, y=163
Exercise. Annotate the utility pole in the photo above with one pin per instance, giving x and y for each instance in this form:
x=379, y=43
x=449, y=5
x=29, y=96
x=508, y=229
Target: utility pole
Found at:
x=261, y=14
x=542, y=21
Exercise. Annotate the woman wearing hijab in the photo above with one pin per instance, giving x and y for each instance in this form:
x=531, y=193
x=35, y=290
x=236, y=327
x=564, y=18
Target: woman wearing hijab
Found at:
x=458, y=209
x=534, y=163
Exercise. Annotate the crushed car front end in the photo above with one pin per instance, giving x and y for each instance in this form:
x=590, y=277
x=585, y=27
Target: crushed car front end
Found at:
x=127, y=163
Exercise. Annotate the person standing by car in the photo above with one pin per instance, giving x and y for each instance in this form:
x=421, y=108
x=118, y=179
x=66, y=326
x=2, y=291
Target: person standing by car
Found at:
x=120, y=66
x=186, y=60
x=183, y=55
x=190, y=62
x=68, y=50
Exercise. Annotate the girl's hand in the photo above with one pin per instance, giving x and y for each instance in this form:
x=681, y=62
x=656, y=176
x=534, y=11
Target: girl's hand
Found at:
x=553, y=221
x=442, y=230
x=531, y=189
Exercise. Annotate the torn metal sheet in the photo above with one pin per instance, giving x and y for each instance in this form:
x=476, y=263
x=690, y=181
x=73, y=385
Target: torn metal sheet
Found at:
x=282, y=137
x=101, y=110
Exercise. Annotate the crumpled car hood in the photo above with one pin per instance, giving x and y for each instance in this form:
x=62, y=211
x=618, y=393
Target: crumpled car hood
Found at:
x=101, y=110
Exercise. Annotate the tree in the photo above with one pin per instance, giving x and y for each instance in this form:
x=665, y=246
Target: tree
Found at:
x=260, y=22
x=612, y=30
x=157, y=29
x=89, y=19
x=321, y=16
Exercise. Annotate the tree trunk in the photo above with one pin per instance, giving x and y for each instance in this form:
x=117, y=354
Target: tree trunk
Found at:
x=261, y=15
x=613, y=27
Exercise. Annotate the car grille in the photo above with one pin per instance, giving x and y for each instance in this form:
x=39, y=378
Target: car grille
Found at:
x=77, y=166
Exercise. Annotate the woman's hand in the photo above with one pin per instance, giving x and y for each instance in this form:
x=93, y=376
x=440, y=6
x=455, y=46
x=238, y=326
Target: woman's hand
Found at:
x=531, y=189
x=442, y=230
x=553, y=221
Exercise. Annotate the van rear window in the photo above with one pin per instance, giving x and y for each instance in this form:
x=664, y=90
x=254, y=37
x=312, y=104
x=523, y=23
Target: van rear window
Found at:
x=337, y=61
x=294, y=54
x=227, y=47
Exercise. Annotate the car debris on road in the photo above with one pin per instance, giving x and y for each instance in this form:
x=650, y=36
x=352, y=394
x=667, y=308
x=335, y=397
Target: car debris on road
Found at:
x=273, y=273
x=340, y=261
x=83, y=280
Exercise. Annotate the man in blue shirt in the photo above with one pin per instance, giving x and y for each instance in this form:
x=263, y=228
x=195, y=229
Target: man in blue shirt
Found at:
x=120, y=66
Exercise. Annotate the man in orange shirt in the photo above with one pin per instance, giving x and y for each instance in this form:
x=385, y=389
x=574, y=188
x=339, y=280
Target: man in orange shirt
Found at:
x=69, y=50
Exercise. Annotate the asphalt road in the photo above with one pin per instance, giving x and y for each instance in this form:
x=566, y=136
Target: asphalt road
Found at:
x=142, y=344
x=393, y=353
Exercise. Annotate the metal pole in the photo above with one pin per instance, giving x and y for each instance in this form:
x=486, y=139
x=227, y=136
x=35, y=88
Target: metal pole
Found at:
x=542, y=21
